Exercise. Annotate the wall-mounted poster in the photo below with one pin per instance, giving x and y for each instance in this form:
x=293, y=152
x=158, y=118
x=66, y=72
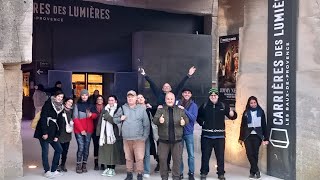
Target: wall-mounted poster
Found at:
x=228, y=68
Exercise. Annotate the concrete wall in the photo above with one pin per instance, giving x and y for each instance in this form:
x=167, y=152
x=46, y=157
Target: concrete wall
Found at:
x=308, y=98
x=15, y=49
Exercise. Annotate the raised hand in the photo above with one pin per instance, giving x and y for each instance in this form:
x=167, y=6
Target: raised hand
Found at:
x=231, y=113
x=192, y=70
x=142, y=71
x=161, y=119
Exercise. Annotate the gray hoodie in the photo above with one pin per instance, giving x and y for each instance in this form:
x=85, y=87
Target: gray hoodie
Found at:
x=136, y=126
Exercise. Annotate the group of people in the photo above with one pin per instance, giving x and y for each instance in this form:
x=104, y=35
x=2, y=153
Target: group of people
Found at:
x=130, y=133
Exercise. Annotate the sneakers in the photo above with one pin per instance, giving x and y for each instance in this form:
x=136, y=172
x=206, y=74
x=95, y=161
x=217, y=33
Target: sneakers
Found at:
x=221, y=177
x=139, y=177
x=105, y=172
x=48, y=174
x=251, y=176
x=191, y=176
x=129, y=176
x=203, y=177
x=181, y=176
x=157, y=169
x=111, y=173
x=258, y=175
x=146, y=175
x=56, y=174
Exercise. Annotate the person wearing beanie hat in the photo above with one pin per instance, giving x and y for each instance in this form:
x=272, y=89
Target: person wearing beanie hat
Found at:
x=191, y=110
x=83, y=129
x=211, y=116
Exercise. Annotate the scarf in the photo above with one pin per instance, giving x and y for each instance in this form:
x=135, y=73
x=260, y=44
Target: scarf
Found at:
x=107, y=128
x=99, y=107
x=259, y=113
x=185, y=103
x=57, y=106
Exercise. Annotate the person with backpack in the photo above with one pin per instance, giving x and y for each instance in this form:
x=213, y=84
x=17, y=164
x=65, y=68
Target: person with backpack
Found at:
x=135, y=128
x=211, y=116
x=48, y=132
x=253, y=133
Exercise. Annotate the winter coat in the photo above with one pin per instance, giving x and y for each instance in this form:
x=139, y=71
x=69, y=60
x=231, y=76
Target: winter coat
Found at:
x=163, y=128
x=64, y=136
x=136, y=126
x=81, y=121
x=245, y=131
x=110, y=154
x=48, y=122
x=212, y=116
x=192, y=113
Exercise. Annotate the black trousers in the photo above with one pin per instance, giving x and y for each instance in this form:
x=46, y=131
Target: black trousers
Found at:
x=252, y=144
x=95, y=140
x=111, y=166
x=206, y=149
x=65, y=149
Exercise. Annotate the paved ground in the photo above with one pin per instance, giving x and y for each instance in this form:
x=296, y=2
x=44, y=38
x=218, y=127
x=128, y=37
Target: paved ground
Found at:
x=32, y=156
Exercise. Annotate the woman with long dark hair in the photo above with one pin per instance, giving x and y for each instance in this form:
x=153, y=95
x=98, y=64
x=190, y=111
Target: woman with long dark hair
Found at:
x=48, y=132
x=253, y=132
x=97, y=108
x=66, y=128
x=110, y=141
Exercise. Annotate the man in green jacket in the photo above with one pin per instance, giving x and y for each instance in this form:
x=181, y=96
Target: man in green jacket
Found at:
x=171, y=121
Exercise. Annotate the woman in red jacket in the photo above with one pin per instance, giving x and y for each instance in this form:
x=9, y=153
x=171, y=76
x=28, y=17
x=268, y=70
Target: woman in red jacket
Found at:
x=83, y=129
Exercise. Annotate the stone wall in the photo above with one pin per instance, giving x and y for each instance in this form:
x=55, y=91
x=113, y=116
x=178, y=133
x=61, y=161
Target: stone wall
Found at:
x=308, y=98
x=252, y=77
x=15, y=49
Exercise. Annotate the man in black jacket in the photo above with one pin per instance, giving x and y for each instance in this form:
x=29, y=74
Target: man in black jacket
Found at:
x=211, y=117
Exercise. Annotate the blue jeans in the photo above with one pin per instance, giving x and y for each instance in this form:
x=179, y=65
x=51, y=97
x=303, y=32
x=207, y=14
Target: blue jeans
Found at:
x=83, y=147
x=45, y=152
x=190, y=149
x=146, y=160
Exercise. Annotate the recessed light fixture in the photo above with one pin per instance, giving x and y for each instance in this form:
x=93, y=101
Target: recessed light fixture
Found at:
x=32, y=166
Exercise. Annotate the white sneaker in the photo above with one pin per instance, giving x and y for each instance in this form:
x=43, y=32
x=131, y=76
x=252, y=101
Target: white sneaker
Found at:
x=146, y=175
x=105, y=172
x=111, y=173
x=56, y=174
x=48, y=174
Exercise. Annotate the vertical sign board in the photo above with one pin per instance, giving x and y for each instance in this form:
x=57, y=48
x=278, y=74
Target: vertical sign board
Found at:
x=282, y=20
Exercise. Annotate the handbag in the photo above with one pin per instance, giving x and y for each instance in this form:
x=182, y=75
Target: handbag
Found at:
x=69, y=126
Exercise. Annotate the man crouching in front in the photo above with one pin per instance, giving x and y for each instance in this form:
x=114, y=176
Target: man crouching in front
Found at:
x=170, y=120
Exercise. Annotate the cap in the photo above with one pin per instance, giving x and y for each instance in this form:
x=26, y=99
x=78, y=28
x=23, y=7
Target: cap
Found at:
x=131, y=92
x=186, y=89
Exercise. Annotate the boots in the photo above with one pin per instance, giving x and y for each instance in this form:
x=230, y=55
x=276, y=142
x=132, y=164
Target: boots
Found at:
x=191, y=176
x=84, y=167
x=96, y=165
x=79, y=168
x=139, y=177
x=129, y=176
